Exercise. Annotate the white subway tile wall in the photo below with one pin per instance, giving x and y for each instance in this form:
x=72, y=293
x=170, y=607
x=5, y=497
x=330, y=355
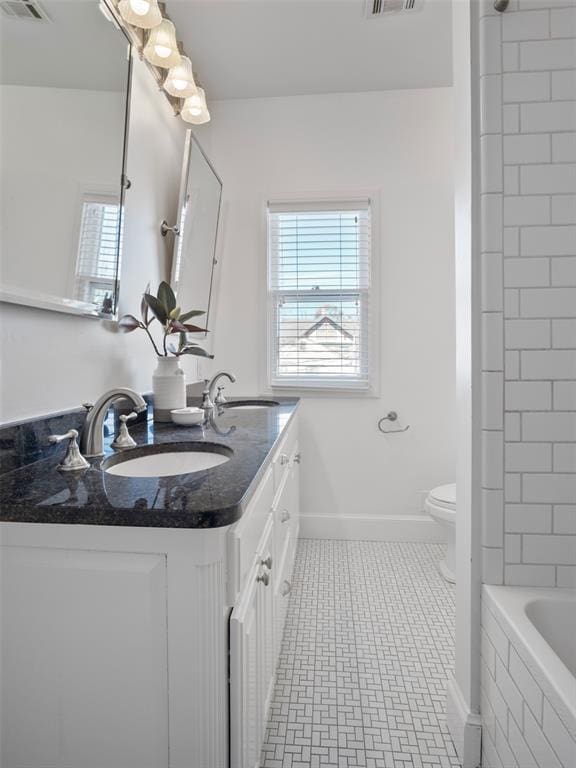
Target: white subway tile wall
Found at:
x=528, y=303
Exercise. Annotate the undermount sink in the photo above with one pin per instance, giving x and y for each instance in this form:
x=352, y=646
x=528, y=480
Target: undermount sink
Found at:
x=167, y=459
x=252, y=404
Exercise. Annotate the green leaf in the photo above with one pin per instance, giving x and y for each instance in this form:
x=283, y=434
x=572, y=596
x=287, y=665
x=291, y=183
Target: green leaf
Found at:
x=190, y=315
x=144, y=307
x=177, y=327
x=166, y=296
x=182, y=342
x=194, y=350
x=175, y=313
x=128, y=323
x=157, y=308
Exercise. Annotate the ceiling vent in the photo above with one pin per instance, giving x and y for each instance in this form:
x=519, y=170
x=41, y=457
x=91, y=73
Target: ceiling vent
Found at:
x=22, y=10
x=376, y=8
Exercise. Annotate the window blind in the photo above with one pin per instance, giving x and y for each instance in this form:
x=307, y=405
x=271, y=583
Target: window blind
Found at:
x=97, y=260
x=319, y=258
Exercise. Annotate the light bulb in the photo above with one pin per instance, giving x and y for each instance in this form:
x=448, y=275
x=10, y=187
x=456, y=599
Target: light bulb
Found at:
x=162, y=48
x=140, y=13
x=195, y=110
x=180, y=80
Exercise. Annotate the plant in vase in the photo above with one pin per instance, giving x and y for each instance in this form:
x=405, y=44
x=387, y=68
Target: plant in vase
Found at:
x=168, y=382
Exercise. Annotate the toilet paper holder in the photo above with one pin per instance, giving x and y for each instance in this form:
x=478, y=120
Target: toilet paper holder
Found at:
x=391, y=416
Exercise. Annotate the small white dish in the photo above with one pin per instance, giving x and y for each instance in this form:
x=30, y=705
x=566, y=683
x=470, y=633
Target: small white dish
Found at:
x=187, y=417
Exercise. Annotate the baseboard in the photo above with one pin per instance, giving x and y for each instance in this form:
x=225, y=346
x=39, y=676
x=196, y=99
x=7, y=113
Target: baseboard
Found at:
x=371, y=528
x=465, y=727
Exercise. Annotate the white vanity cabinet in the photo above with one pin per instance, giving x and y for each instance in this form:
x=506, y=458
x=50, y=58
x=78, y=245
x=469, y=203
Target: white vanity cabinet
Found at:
x=257, y=620
x=147, y=647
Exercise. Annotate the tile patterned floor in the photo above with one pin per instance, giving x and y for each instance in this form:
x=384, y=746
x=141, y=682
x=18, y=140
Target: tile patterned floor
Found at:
x=366, y=653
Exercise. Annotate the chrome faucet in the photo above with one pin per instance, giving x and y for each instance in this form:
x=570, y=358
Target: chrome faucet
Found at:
x=92, y=442
x=208, y=394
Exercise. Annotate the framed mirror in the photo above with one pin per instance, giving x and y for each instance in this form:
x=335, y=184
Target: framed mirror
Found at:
x=64, y=90
x=194, y=256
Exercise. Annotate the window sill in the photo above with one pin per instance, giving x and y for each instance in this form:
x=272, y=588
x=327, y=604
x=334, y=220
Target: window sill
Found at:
x=322, y=392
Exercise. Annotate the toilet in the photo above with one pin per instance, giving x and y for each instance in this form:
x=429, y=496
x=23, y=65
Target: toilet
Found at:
x=441, y=504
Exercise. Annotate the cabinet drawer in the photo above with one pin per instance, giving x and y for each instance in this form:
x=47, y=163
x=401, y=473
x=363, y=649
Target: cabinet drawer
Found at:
x=282, y=589
x=244, y=536
x=282, y=457
x=283, y=512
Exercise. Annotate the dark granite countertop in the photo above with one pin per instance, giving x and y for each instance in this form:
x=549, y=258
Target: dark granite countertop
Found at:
x=38, y=493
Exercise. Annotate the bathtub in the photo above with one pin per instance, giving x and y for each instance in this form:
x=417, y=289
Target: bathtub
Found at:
x=529, y=677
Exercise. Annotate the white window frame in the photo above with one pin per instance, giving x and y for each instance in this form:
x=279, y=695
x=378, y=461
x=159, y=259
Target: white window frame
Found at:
x=303, y=388
x=97, y=193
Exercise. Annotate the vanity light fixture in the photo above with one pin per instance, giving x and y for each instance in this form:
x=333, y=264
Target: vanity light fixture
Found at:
x=180, y=80
x=161, y=49
x=144, y=14
x=153, y=34
x=195, y=110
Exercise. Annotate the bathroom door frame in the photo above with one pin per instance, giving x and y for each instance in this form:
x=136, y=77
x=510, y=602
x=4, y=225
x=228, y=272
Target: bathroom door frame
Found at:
x=463, y=694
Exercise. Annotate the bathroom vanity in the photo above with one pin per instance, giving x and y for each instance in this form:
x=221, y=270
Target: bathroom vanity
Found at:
x=142, y=617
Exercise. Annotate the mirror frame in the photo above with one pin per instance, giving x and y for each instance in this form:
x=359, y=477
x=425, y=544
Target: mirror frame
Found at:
x=72, y=306
x=190, y=141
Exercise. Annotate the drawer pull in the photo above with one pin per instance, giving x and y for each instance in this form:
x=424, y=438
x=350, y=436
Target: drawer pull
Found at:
x=267, y=563
x=264, y=578
x=285, y=516
x=284, y=459
x=286, y=588
x=297, y=458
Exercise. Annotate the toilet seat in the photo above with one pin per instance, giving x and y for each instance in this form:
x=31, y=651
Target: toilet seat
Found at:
x=444, y=496
x=441, y=505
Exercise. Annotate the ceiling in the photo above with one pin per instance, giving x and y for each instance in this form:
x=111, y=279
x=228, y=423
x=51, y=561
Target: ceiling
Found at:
x=254, y=48
x=76, y=48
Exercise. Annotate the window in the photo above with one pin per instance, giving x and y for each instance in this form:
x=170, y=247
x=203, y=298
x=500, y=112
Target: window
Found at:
x=97, y=259
x=319, y=295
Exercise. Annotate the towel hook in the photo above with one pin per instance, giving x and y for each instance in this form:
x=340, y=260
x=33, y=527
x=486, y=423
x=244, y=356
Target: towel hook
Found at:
x=391, y=416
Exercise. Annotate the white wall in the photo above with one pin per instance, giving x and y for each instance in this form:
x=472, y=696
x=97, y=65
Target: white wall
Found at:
x=83, y=130
x=528, y=159
x=399, y=144
x=52, y=361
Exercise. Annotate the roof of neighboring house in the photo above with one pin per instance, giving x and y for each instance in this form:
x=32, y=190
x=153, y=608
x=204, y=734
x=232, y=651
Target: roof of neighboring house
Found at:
x=326, y=321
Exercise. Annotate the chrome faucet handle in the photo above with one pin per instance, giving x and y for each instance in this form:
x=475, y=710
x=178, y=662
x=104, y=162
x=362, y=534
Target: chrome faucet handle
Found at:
x=73, y=459
x=124, y=439
x=220, y=399
x=207, y=403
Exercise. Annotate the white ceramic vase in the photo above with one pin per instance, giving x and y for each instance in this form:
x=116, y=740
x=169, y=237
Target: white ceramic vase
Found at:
x=169, y=387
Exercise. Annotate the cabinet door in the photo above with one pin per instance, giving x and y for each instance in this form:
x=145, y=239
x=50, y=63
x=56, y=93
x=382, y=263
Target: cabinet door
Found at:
x=252, y=660
x=84, y=658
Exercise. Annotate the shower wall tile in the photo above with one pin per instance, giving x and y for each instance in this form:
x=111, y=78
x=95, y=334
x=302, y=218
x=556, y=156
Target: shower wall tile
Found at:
x=566, y=576
x=528, y=518
x=492, y=288
x=526, y=148
x=563, y=84
x=564, y=209
x=565, y=518
x=528, y=238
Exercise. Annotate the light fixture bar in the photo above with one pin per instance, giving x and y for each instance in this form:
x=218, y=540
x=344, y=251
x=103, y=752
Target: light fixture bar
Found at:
x=139, y=37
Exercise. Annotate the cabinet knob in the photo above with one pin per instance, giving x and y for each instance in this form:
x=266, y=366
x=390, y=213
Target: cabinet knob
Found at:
x=297, y=458
x=286, y=588
x=285, y=516
x=264, y=578
x=284, y=459
x=267, y=563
